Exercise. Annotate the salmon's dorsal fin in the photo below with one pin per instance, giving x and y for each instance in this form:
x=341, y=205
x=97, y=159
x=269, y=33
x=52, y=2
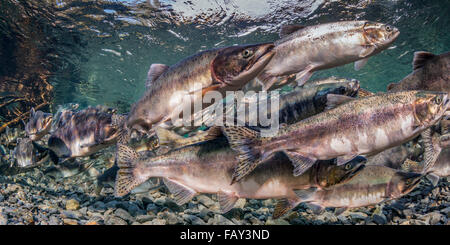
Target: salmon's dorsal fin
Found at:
x=243, y=140
x=421, y=58
x=289, y=29
x=155, y=71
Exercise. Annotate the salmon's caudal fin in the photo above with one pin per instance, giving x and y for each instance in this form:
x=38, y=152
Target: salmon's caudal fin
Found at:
x=126, y=179
x=243, y=140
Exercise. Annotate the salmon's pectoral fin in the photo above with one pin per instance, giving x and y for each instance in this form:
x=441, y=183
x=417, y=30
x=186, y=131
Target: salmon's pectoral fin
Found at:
x=432, y=149
x=167, y=137
x=360, y=64
x=341, y=160
x=126, y=179
x=226, y=200
x=334, y=100
x=243, y=140
x=339, y=211
x=266, y=80
x=316, y=209
x=303, y=76
x=301, y=163
x=434, y=179
x=173, y=140
x=182, y=193
x=212, y=88
x=367, y=50
x=306, y=195
x=283, y=206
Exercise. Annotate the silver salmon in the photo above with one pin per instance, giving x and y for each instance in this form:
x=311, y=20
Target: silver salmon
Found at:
x=223, y=69
x=294, y=106
x=304, y=50
x=208, y=168
x=363, y=126
x=375, y=184
x=84, y=133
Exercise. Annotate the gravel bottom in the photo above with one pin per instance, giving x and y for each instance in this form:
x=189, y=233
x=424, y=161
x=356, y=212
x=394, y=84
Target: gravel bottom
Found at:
x=34, y=198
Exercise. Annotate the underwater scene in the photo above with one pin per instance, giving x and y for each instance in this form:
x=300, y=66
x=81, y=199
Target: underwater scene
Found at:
x=224, y=112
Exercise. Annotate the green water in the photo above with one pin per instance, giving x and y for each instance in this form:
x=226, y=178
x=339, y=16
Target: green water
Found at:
x=99, y=52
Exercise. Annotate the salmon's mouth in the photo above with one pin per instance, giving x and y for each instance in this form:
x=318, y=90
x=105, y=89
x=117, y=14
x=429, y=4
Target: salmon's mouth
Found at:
x=262, y=53
x=261, y=58
x=355, y=172
x=411, y=186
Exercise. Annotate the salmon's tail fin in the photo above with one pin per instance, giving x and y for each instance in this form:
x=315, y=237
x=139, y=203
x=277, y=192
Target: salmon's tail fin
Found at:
x=126, y=179
x=244, y=140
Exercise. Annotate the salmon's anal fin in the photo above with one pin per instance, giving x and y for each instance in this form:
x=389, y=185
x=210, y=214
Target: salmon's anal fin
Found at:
x=434, y=179
x=301, y=163
x=243, y=140
x=226, y=200
x=182, y=193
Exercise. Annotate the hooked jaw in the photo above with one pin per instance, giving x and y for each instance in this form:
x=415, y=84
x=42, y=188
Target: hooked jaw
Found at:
x=262, y=56
x=380, y=35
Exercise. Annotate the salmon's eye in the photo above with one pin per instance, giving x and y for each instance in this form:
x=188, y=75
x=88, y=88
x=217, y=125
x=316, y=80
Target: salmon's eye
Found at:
x=247, y=53
x=348, y=166
x=438, y=100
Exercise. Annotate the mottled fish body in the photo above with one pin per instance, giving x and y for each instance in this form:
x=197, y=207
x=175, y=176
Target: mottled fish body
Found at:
x=208, y=168
x=84, y=133
x=25, y=153
x=394, y=157
x=39, y=124
x=302, y=103
x=223, y=69
x=363, y=126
